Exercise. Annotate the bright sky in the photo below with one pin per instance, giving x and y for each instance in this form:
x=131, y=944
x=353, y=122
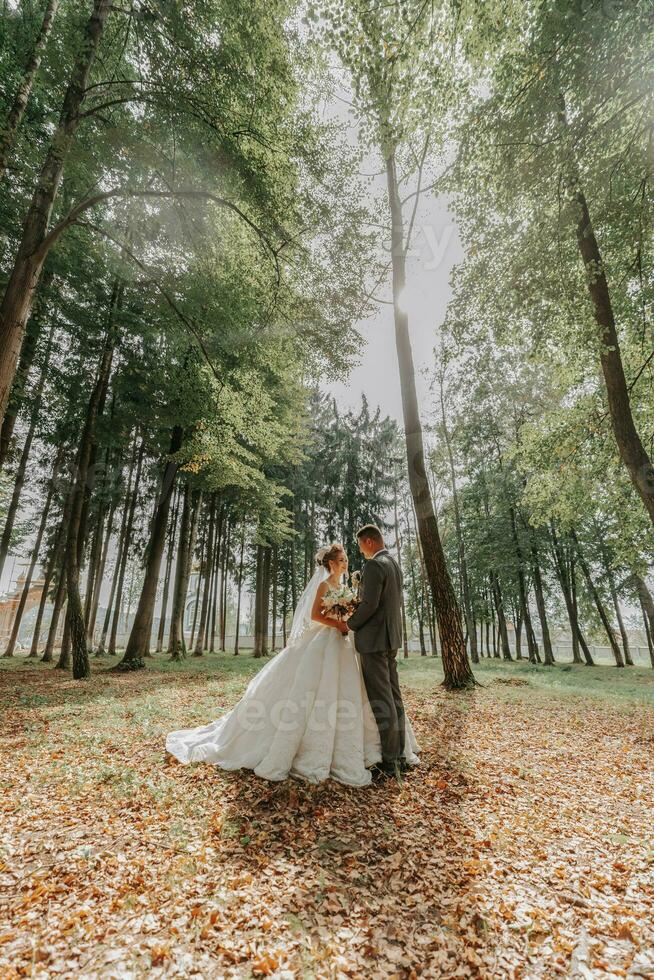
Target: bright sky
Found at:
x=434, y=251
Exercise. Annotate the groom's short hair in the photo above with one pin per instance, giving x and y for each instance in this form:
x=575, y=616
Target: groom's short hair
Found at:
x=370, y=531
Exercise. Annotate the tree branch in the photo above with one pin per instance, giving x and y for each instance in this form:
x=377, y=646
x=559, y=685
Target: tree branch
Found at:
x=89, y=202
x=186, y=321
x=421, y=164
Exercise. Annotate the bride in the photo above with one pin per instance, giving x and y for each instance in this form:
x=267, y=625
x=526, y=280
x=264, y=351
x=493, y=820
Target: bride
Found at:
x=306, y=713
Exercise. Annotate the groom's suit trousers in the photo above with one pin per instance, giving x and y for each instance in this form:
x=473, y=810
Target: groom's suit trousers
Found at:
x=383, y=689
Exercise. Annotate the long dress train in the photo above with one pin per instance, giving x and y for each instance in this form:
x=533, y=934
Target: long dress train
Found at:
x=305, y=714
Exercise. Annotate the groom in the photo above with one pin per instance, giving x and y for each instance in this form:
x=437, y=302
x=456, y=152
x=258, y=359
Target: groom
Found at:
x=377, y=627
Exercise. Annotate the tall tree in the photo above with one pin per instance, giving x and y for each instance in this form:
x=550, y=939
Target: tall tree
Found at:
x=11, y=124
x=392, y=53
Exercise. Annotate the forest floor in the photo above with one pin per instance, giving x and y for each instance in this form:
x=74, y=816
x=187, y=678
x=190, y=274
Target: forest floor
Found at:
x=522, y=847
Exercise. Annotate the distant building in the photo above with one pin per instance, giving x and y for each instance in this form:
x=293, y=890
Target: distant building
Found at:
x=9, y=604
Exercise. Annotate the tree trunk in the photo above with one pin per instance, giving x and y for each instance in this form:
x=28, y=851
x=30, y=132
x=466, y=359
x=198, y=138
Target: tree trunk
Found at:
x=15, y=117
x=647, y=605
x=518, y=638
x=523, y=595
x=628, y=659
x=60, y=564
x=94, y=576
x=57, y=605
x=568, y=588
x=265, y=604
x=240, y=589
x=199, y=585
x=285, y=602
x=398, y=549
x=294, y=559
x=588, y=657
x=188, y=530
x=122, y=544
x=494, y=631
x=19, y=482
x=34, y=558
x=84, y=521
x=431, y=624
x=139, y=641
x=421, y=603
x=215, y=582
x=198, y=595
x=214, y=614
x=425, y=605
x=610, y=578
x=275, y=569
x=501, y=617
x=421, y=635
x=463, y=566
x=599, y=605
x=172, y=535
x=23, y=279
x=648, y=633
x=124, y=551
x=414, y=589
x=540, y=604
x=532, y=643
x=258, y=603
x=176, y=642
x=75, y=615
x=580, y=636
x=99, y=576
x=224, y=583
x=205, y=573
x=64, y=654
x=474, y=627
x=40, y=315
x=456, y=666
x=417, y=604
x=49, y=575
x=631, y=449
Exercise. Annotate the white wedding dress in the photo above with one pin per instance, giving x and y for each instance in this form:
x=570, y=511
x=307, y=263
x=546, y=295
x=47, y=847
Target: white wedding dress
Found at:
x=305, y=714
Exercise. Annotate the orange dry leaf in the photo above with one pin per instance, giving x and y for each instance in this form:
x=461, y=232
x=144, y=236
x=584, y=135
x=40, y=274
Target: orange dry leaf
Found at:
x=625, y=933
x=265, y=966
x=387, y=882
x=159, y=954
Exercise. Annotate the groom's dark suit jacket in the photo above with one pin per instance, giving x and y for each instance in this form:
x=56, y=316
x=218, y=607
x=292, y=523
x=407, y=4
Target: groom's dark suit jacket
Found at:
x=377, y=623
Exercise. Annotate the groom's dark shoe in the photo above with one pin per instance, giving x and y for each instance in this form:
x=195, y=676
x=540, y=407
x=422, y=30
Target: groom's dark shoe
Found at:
x=391, y=770
x=381, y=772
x=396, y=771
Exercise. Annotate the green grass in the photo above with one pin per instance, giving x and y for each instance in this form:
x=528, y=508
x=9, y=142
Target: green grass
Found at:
x=633, y=684
x=227, y=674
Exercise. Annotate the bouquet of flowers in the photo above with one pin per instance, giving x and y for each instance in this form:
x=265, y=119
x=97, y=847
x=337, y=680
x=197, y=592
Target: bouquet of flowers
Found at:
x=340, y=603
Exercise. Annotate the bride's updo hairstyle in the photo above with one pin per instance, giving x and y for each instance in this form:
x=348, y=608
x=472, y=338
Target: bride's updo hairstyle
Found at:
x=330, y=553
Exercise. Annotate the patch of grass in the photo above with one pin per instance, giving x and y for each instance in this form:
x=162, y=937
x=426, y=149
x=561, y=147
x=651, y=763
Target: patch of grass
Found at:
x=626, y=684
x=217, y=680
x=33, y=700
